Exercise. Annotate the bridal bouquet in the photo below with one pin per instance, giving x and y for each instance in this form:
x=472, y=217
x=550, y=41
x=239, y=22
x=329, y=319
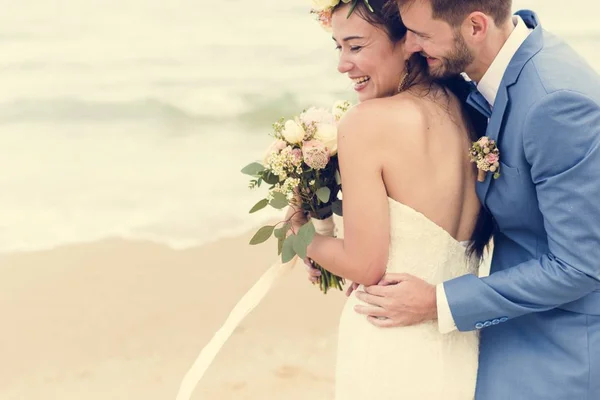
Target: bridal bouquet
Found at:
x=301, y=169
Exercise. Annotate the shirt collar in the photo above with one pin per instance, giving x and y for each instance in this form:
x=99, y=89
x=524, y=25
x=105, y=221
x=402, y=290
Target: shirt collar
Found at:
x=490, y=83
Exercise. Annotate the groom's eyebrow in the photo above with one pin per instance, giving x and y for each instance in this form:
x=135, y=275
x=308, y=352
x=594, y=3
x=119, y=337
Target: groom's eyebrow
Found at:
x=415, y=32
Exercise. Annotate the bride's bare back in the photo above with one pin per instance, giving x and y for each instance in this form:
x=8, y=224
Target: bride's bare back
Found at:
x=433, y=174
x=425, y=162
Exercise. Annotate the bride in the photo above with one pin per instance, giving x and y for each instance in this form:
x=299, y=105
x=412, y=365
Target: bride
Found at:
x=409, y=206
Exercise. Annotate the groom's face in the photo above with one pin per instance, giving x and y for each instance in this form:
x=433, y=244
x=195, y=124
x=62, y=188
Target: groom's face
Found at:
x=442, y=45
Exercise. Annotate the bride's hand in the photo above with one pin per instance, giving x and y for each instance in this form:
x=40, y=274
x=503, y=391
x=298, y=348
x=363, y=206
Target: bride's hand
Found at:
x=313, y=273
x=351, y=288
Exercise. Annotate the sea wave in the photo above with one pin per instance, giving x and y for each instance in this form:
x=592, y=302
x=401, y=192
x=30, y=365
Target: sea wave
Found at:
x=52, y=110
x=256, y=110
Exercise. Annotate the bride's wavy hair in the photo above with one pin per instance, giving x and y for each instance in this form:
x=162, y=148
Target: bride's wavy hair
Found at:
x=386, y=16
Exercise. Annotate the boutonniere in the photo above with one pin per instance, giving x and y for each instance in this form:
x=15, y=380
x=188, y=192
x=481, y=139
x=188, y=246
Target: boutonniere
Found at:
x=486, y=155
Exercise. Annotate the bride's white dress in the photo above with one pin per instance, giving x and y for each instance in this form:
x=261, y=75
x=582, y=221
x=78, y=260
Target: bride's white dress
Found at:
x=414, y=362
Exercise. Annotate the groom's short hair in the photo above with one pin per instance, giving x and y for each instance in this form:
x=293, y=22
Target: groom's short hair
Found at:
x=455, y=11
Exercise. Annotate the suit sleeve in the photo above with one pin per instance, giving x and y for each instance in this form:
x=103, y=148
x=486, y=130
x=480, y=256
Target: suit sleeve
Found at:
x=562, y=145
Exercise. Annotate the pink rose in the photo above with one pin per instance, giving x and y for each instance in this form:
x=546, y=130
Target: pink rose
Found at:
x=317, y=116
x=491, y=158
x=315, y=154
x=483, y=141
x=280, y=144
x=274, y=148
x=297, y=155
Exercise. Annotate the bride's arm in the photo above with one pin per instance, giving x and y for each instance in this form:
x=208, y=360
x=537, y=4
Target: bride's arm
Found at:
x=362, y=254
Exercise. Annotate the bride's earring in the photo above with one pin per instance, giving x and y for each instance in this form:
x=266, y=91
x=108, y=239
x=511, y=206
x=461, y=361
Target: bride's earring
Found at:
x=403, y=80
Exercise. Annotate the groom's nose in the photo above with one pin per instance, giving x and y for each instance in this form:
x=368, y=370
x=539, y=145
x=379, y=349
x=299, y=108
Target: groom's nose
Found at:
x=412, y=43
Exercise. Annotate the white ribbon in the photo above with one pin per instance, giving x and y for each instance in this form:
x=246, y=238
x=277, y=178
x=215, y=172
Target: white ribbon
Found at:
x=250, y=300
x=325, y=227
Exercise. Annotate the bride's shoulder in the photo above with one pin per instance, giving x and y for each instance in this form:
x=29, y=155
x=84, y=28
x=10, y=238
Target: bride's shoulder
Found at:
x=395, y=116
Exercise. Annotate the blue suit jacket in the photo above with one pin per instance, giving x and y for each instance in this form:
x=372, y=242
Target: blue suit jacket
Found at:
x=539, y=310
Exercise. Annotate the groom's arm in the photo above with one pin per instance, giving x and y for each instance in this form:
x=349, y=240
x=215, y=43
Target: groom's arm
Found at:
x=562, y=145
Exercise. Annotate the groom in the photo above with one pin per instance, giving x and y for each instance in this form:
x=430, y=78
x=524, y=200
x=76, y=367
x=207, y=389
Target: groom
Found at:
x=539, y=310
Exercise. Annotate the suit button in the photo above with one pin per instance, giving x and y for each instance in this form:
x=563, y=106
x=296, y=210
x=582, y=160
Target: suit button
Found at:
x=487, y=324
x=479, y=325
x=495, y=322
x=503, y=319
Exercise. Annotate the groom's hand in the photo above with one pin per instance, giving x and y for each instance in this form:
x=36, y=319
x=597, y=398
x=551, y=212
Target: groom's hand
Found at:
x=398, y=300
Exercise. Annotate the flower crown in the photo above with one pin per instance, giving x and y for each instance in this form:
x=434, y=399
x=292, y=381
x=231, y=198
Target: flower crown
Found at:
x=323, y=9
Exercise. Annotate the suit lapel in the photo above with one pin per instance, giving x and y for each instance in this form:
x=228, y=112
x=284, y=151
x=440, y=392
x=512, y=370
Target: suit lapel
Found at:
x=532, y=45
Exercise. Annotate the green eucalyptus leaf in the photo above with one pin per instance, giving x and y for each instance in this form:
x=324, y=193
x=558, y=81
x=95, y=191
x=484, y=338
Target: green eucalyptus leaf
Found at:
x=253, y=169
x=303, y=238
x=299, y=247
x=287, y=250
x=323, y=194
x=307, y=232
x=281, y=232
x=270, y=178
x=259, y=206
x=279, y=201
x=280, y=245
x=262, y=235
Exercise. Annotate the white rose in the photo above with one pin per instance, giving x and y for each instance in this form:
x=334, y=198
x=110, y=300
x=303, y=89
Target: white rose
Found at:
x=327, y=134
x=293, y=132
x=320, y=5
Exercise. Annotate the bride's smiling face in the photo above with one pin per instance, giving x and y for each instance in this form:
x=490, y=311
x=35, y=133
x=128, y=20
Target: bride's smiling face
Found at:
x=373, y=62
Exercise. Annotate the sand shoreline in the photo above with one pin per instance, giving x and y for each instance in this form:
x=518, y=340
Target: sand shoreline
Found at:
x=125, y=319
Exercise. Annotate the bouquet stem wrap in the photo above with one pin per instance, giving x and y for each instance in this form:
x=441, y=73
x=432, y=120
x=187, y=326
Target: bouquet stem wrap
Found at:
x=327, y=280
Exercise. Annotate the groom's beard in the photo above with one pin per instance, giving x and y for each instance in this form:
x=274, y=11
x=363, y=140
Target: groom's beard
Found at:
x=455, y=62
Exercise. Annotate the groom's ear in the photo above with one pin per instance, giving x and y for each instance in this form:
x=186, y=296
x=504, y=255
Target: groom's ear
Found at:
x=476, y=26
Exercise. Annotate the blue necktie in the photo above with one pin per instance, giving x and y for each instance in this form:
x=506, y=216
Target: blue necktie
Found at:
x=478, y=102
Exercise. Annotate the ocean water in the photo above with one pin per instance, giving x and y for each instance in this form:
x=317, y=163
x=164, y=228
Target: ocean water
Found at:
x=132, y=118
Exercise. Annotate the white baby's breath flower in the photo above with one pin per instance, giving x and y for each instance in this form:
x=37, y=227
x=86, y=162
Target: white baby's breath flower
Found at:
x=340, y=108
x=483, y=165
x=293, y=132
x=275, y=147
x=288, y=187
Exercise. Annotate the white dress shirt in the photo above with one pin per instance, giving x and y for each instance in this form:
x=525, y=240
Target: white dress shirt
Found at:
x=488, y=87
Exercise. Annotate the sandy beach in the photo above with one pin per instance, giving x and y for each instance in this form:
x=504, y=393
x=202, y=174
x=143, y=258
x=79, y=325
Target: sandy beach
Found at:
x=119, y=319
